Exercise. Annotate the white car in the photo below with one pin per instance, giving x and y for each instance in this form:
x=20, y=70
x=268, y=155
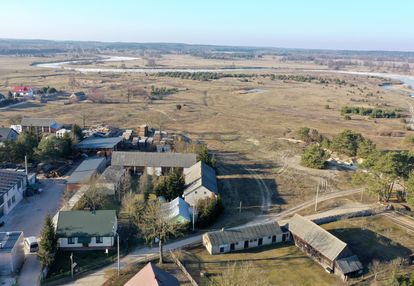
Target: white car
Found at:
x=31, y=244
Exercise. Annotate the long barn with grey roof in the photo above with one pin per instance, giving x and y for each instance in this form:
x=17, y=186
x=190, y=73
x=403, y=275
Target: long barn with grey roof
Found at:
x=13, y=184
x=228, y=240
x=39, y=125
x=326, y=249
x=154, y=163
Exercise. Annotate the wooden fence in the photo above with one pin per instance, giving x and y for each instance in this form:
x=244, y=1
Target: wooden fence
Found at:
x=182, y=267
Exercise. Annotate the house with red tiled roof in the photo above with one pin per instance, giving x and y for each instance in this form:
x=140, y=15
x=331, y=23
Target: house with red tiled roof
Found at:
x=23, y=91
x=151, y=275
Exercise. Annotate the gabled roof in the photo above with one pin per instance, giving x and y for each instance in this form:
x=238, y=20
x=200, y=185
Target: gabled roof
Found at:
x=38, y=122
x=200, y=174
x=317, y=237
x=227, y=236
x=86, y=223
x=22, y=88
x=151, y=275
x=99, y=142
x=9, y=178
x=112, y=174
x=5, y=132
x=153, y=159
x=349, y=264
x=84, y=172
x=176, y=211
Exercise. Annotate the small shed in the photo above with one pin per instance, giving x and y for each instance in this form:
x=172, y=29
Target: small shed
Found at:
x=228, y=240
x=11, y=252
x=110, y=180
x=176, y=211
x=85, y=172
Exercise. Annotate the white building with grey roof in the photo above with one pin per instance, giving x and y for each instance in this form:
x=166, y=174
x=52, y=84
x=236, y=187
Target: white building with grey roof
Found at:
x=200, y=183
x=13, y=184
x=11, y=252
x=234, y=239
x=323, y=247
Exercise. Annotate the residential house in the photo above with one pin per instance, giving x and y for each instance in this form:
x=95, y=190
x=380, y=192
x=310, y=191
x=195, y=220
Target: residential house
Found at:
x=77, y=96
x=154, y=163
x=201, y=183
x=101, y=145
x=13, y=185
x=151, y=275
x=86, y=230
x=23, y=91
x=323, y=247
x=61, y=132
x=110, y=181
x=176, y=211
x=39, y=125
x=88, y=170
x=11, y=252
x=7, y=134
x=2, y=97
x=228, y=240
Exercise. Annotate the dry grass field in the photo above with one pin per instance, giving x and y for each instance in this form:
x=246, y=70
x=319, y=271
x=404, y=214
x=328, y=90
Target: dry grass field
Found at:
x=247, y=131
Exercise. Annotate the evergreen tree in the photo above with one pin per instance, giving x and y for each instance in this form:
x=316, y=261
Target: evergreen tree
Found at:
x=47, y=243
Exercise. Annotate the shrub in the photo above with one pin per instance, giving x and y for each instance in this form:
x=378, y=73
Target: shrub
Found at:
x=209, y=209
x=314, y=157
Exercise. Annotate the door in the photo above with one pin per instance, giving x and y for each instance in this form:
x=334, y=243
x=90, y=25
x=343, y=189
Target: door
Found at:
x=274, y=239
x=232, y=247
x=246, y=244
x=260, y=242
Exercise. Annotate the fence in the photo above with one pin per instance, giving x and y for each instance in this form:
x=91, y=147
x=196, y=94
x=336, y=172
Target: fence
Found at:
x=182, y=267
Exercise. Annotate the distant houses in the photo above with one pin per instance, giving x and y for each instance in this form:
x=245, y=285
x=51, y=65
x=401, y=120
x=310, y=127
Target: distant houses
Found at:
x=11, y=252
x=85, y=173
x=62, y=132
x=323, y=247
x=23, y=91
x=228, y=240
x=201, y=182
x=7, y=134
x=39, y=125
x=153, y=163
x=77, y=96
x=151, y=275
x=86, y=230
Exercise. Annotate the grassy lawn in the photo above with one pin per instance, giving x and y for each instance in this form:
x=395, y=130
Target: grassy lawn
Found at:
x=282, y=265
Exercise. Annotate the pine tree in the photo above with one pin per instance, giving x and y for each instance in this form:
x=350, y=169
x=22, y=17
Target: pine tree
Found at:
x=48, y=243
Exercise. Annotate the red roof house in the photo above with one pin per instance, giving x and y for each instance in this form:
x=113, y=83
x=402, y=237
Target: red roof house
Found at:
x=151, y=275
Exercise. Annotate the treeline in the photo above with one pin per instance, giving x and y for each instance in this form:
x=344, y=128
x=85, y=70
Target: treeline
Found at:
x=203, y=76
x=307, y=78
x=371, y=112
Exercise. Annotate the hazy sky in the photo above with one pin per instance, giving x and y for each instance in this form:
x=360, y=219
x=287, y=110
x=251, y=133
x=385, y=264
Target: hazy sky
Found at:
x=332, y=24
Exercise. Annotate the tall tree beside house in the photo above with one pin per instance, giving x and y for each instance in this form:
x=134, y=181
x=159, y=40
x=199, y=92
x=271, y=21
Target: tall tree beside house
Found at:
x=208, y=210
x=93, y=199
x=51, y=147
x=153, y=225
x=170, y=186
x=25, y=145
x=47, y=243
x=76, y=133
x=131, y=210
x=204, y=156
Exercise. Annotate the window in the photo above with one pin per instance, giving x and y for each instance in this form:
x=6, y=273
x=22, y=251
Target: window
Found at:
x=195, y=192
x=19, y=184
x=205, y=193
x=13, y=199
x=9, y=203
x=71, y=240
x=221, y=249
x=99, y=239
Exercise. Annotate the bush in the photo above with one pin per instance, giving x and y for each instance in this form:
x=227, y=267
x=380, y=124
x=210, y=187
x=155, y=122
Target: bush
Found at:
x=347, y=117
x=347, y=142
x=209, y=209
x=314, y=157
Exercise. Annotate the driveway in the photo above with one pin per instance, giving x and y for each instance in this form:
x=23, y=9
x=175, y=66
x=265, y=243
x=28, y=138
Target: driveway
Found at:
x=29, y=216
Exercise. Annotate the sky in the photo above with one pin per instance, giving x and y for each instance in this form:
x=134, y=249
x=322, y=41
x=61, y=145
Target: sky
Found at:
x=316, y=24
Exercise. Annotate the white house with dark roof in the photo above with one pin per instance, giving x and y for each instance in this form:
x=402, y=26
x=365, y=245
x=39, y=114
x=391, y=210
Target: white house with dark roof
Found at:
x=13, y=184
x=154, y=163
x=228, y=240
x=323, y=247
x=201, y=183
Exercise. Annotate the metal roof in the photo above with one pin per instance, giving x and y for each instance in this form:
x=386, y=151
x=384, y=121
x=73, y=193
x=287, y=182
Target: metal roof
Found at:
x=349, y=264
x=86, y=223
x=176, y=210
x=86, y=170
x=151, y=275
x=317, y=237
x=153, y=159
x=40, y=122
x=112, y=174
x=9, y=179
x=200, y=174
x=233, y=235
x=4, y=133
x=99, y=143
x=8, y=240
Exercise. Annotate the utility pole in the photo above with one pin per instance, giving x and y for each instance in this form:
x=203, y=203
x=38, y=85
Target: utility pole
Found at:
x=362, y=193
x=71, y=264
x=25, y=164
x=194, y=210
x=240, y=207
x=118, y=251
x=317, y=194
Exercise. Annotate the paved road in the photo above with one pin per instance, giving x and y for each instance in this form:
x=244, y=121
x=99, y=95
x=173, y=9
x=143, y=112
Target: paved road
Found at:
x=28, y=216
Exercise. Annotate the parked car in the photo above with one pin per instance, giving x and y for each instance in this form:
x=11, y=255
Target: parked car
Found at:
x=31, y=244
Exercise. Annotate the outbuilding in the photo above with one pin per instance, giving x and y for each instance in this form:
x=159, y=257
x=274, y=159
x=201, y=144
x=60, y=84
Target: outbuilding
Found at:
x=11, y=252
x=103, y=145
x=85, y=173
x=110, y=181
x=201, y=183
x=250, y=236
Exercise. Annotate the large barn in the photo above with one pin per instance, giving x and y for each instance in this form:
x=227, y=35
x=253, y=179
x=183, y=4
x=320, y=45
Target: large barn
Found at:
x=323, y=247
